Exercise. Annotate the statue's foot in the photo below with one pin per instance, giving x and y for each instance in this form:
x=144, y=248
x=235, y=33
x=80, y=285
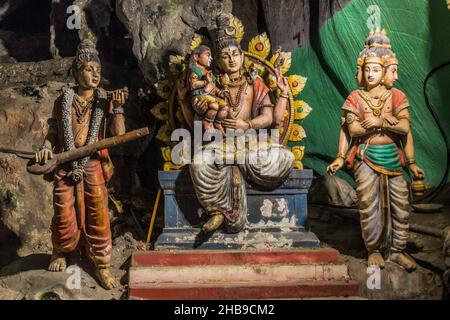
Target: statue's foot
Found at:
x=403, y=260
x=213, y=223
x=58, y=262
x=375, y=259
x=106, y=279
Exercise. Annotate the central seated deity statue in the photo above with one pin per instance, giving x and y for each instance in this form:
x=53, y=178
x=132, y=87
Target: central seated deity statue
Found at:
x=220, y=186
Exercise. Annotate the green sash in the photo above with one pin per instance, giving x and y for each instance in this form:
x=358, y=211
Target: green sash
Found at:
x=384, y=159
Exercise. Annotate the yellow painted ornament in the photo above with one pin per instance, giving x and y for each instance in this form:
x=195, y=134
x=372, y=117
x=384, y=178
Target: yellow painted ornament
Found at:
x=299, y=152
x=161, y=111
x=285, y=57
x=163, y=88
x=260, y=46
x=302, y=109
x=177, y=64
x=298, y=133
x=197, y=40
x=164, y=133
x=238, y=27
x=297, y=83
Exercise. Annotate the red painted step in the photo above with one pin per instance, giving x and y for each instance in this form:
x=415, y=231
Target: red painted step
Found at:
x=247, y=291
x=239, y=274
x=234, y=257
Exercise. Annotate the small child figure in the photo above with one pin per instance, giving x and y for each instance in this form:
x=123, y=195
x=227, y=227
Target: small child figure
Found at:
x=203, y=88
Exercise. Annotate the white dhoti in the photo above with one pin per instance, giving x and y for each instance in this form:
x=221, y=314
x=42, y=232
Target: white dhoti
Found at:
x=221, y=188
x=384, y=208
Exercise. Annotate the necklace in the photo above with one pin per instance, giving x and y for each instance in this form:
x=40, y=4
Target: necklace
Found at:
x=69, y=141
x=82, y=108
x=235, y=100
x=376, y=109
x=83, y=102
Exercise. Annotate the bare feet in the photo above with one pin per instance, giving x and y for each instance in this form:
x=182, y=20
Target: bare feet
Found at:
x=375, y=259
x=403, y=260
x=213, y=223
x=58, y=262
x=106, y=279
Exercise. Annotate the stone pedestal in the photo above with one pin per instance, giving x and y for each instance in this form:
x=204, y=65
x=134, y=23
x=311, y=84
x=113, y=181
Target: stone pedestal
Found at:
x=276, y=219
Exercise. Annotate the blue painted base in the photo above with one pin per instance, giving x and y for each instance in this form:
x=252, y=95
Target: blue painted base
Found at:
x=276, y=218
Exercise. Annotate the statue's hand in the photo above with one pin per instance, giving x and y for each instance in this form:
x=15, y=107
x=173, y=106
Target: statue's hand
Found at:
x=335, y=166
x=393, y=121
x=200, y=106
x=417, y=172
x=42, y=156
x=372, y=123
x=119, y=97
x=235, y=124
x=282, y=82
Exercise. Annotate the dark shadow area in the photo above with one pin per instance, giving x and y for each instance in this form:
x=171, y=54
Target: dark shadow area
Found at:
x=38, y=261
x=338, y=228
x=25, y=32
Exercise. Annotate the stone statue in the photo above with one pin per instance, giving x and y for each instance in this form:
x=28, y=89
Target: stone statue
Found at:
x=221, y=189
x=80, y=117
x=203, y=88
x=376, y=122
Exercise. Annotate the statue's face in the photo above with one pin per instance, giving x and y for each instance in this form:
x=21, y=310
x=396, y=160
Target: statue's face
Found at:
x=231, y=59
x=89, y=75
x=373, y=74
x=204, y=58
x=391, y=75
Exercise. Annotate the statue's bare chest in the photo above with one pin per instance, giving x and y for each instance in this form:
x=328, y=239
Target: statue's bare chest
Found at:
x=375, y=107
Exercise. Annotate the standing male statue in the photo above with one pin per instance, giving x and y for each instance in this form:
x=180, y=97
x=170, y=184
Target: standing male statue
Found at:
x=376, y=119
x=80, y=117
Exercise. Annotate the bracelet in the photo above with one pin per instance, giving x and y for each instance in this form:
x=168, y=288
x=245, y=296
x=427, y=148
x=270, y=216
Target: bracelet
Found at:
x=118, y=110
x=284, y=96
x=249, y=123
x=410, y=161
x=340, y=155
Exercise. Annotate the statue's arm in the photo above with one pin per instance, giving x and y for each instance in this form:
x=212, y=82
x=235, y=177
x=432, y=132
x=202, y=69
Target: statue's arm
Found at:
x=118, y=124
x=280, y=108
x=265, y=117
x=403, y=125
x=46, y=150
x=355, y=128
x=344, y=141
x=195, y=82
x=408, y=147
